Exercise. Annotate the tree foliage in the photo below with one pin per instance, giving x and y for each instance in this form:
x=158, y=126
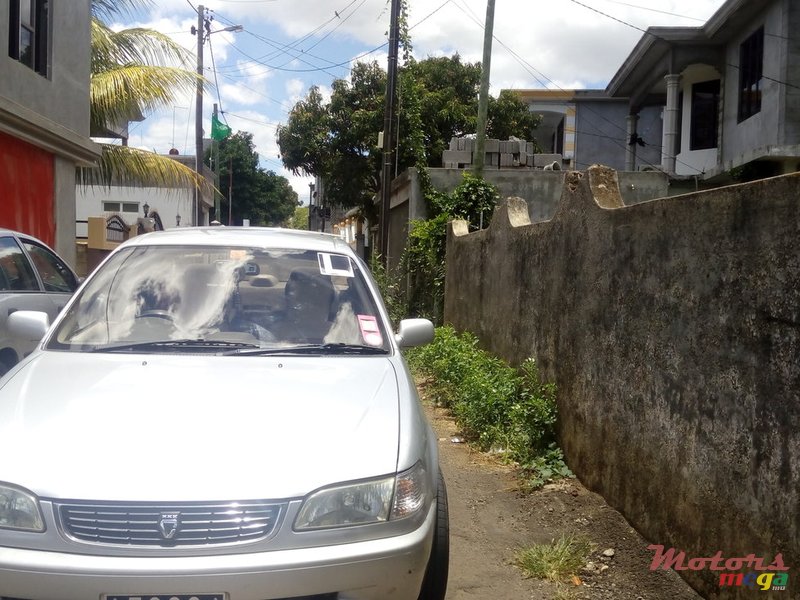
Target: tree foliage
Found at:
x=509, y=116
x=438, y=99
x=257, y=194
x=473, y=201
x=299, y=220
x=304, y=140
x=416, y=286
x=448, y=99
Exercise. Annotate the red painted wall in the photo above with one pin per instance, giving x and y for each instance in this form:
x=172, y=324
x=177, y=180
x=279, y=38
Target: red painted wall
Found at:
x=27, y=189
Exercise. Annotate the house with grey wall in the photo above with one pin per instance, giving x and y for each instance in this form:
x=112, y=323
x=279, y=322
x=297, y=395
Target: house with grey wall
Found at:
x=693, y=102
x=728, y=91
x=588, y=127
x=44, y=116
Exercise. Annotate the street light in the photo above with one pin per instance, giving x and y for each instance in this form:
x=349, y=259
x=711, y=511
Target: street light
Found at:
x=202, y=31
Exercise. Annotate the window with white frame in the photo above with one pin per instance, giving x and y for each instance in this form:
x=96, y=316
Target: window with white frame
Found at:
x=115, y=207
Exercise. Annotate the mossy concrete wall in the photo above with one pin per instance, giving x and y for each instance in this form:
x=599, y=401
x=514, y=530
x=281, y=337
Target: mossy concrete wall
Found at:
x=672, y=330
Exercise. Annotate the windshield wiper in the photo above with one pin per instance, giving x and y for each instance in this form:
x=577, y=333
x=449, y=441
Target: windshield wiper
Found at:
x=175, y=345
x=331, y=348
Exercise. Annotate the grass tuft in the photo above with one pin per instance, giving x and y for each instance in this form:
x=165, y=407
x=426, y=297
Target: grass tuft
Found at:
x=557, y=561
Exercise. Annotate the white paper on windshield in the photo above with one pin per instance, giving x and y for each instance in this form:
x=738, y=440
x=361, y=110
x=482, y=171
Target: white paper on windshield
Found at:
x=370, y=330
x=334, y=265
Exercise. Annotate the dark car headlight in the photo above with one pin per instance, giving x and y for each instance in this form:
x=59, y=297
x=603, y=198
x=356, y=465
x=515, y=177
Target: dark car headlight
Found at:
x=19, y=509
x=371, y=501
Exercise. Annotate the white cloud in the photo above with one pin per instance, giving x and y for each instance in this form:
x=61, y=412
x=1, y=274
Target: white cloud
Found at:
x=288, y=46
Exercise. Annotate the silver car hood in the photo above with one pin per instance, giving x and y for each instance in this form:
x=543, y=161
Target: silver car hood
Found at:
x=149, y=427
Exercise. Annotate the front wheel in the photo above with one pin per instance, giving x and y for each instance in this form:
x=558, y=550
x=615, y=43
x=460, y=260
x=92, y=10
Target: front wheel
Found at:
x=434, y=585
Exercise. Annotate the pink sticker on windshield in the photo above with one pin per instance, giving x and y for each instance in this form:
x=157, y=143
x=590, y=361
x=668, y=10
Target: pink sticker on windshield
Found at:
x=370, y=330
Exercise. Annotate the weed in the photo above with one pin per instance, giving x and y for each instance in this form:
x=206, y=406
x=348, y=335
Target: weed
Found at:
x=510, y=411
x=557, y=561
x=389, y=284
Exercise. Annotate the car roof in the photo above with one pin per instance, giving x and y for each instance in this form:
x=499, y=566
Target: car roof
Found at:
x=4, y=231
x=10, y=232
x=259, y=237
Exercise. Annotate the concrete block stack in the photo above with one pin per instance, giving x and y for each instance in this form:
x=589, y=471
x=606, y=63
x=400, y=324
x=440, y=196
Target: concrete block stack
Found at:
x=500, y=154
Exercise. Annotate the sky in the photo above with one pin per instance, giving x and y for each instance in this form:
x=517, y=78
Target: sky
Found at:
x=287, y=46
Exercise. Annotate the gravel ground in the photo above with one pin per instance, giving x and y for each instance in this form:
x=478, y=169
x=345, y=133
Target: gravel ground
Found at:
x=490, y=519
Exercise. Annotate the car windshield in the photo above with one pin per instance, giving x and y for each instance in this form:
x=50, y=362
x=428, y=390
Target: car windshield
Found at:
x=224, y=300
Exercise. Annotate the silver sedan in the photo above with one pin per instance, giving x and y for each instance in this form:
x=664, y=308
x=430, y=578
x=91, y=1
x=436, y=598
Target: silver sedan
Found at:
x=220, y=414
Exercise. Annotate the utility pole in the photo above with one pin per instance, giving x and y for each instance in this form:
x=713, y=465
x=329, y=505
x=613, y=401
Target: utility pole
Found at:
x=202, y=31
x=388, y=121
x=483, y=102
x=230, y=190
x=215, y=166
x=198, y=117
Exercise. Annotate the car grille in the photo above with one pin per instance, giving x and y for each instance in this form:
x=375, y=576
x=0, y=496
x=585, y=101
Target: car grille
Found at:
x=169, y=524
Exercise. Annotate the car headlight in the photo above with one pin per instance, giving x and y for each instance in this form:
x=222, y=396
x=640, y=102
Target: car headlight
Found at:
x=372, y=501
x=19, y=509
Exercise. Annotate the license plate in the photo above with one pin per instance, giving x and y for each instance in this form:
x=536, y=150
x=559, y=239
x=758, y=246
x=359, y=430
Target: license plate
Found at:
x=166, y=597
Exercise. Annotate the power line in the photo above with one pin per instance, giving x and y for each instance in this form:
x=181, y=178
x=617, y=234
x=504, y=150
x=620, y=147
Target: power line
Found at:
x=216, y=81
x=528, y=67
x=258, y=93
x=531, y=69
x=286, y=47
x=340, y=64
x=650, y=33
x=655, y=10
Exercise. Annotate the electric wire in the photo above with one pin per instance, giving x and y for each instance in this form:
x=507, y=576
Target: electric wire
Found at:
x=650, y=33
x=346, y=62
x=530, y=69
x=655, y=10
x=277, y=51
x=216, y=81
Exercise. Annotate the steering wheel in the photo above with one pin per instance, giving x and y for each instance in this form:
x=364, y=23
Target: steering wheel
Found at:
x=156, y=314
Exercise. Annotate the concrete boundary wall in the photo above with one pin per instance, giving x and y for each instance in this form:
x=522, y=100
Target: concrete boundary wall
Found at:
x=672, y=330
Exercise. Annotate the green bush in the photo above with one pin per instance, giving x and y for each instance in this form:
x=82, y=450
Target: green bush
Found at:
x=423, y=260
x=497, y=406
x=391, y=290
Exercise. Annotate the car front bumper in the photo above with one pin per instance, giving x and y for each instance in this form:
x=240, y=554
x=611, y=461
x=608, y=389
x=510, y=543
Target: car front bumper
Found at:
x=367, y=570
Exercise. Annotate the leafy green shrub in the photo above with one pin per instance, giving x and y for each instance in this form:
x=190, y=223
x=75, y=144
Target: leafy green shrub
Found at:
x=474, y=200
x=390, y=287
x=498, y=407
x=424, y=256
x=423, y=260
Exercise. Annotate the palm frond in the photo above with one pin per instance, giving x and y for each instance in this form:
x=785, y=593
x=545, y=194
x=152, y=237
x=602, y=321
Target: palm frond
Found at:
x=111, y=8
x=135, y=45
x=117, y=94
x=123, y=165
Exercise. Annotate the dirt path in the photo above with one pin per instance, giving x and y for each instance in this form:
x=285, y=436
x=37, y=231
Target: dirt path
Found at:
x=490, y=519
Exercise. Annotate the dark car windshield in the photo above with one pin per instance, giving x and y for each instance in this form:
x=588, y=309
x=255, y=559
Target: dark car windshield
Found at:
x=223, y=299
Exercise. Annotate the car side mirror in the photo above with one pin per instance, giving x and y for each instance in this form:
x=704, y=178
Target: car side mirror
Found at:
x=414, y=332
x=29, y=325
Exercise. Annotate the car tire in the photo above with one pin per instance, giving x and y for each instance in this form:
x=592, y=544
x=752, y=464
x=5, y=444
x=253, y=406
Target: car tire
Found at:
x=434, y=585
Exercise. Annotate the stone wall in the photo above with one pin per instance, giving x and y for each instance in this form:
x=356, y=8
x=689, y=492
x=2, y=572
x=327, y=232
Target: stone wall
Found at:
x=672, y=330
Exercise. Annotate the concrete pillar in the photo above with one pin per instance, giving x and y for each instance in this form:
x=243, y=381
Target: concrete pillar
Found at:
x=669, y=144
x=630, y=155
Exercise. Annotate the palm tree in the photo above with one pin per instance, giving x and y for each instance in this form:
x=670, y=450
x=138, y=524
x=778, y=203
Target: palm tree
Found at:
x=133, y=72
